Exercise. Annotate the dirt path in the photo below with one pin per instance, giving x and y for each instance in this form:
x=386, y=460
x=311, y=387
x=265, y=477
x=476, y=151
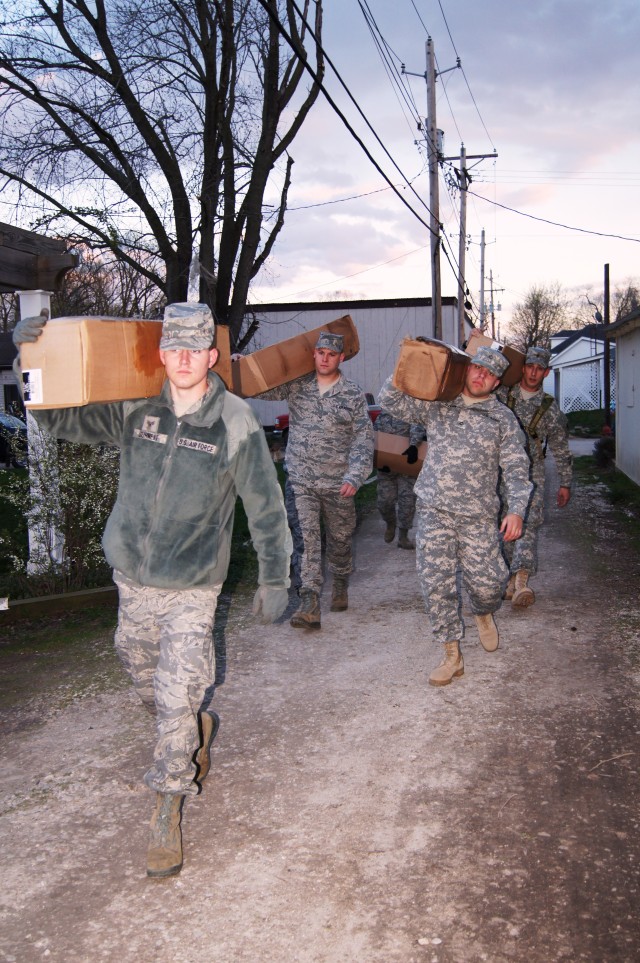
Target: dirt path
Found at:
x=353, y=812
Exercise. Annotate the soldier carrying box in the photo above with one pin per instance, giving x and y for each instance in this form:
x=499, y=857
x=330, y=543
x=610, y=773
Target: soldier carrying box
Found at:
x=184, y=457
x=471, y=439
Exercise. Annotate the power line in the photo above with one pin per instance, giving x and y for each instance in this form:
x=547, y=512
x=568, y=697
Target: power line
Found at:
x=544, y=220
x=295, y=47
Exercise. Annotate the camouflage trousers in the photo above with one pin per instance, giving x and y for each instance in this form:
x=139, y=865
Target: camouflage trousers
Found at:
x=296, y=532
x=395, y=499
x=523, y=553
x=448, y=544
x=165, y=642
x=339, y=517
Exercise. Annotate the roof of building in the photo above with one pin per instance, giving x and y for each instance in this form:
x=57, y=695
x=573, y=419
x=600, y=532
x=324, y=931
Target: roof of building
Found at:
x=625, y=325
x=593, y=332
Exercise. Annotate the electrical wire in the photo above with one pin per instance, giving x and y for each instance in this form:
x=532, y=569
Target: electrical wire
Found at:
x=545, y=220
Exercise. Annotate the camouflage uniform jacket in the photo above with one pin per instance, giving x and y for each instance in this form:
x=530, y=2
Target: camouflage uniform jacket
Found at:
x=330, y=434
x=552, y=428
x=172, y=521
x=468, y=446
x=394, y=426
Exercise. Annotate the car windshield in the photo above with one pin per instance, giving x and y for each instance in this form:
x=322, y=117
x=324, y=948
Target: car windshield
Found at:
x=10, y=421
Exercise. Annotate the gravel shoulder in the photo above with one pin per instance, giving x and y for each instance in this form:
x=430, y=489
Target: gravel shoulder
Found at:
x=354, y=813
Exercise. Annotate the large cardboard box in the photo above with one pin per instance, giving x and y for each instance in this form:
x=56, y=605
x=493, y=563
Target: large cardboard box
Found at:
x=388, y=454
x=80, y=360
x=276, y=365
x=516, y=358
x=430, y=370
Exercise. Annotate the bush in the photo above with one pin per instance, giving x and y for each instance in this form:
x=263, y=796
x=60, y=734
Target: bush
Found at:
x=66, y=500
x=604, y=452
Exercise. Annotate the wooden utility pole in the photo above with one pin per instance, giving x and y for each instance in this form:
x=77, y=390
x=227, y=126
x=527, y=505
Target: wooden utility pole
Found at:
x=434, y=155
x=464, y=179
x=482, y=246
x=434, y=197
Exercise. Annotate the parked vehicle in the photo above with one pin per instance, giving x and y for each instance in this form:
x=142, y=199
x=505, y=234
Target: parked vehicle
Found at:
x=13, y=440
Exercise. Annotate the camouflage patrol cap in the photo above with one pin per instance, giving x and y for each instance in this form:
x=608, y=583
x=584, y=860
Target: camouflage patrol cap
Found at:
x=539, y=356
x=332, y=342
x=494, y=361
x=187, y=325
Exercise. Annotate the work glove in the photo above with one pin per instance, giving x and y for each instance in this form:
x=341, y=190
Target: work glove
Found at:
x=412, y=454
x=269, y=603
x=29, y=329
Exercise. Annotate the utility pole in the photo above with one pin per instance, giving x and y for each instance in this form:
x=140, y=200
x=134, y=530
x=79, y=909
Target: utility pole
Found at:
x=482, y=246
x=434, y=197
x=464, y=179
x=434, y=155
x=492, y=307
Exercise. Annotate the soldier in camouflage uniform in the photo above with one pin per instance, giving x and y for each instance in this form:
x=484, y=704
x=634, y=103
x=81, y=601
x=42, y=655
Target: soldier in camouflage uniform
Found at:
x=471, y=439
x=329, y=456
x=185, y=456
x=544, y=424
x=395, y=498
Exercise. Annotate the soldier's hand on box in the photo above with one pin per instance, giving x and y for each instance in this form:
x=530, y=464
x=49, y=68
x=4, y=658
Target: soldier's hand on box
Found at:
x=412, y=454
x=269, y=603
x=29, y=329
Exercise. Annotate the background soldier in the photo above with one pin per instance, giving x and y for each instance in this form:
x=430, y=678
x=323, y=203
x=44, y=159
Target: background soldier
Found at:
x=185, y=456
x=329, y=456
x=471, y=439
x=544, y=424
x=395, y=498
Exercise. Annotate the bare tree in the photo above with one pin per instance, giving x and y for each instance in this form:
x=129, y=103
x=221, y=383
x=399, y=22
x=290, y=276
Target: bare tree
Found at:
x=542, y=313
x=103, y=285
x=158, y=130
x=625, y=298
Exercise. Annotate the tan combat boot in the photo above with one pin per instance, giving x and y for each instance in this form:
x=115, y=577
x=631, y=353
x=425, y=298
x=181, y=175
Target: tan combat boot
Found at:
x=208, y=725
x=451, y=667
x=390, y=532
x=403, y=539
x=308, y=615
x=523, y=596
x=339, y=594
x=488, y=632
x=510, y=589
x=164, y=856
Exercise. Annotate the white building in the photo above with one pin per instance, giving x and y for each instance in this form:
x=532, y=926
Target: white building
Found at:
x=577, y=377
x=381, y=326
x=626, y=334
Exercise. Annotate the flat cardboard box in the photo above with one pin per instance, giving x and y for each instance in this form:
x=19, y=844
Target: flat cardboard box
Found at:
x=81, y=360
x=276, y=365
x=388, y=454
x=516, y=358
x=430, y=370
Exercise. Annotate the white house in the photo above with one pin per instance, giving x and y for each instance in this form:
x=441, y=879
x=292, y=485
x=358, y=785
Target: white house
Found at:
x=626, y=334
x=381, y=325
x=578, y=371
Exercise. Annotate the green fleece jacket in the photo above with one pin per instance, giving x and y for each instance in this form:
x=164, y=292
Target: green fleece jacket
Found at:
x=172, y=521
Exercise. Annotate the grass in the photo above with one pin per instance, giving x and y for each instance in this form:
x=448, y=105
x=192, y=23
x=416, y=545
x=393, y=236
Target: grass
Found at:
x=588, y=424
x=621, y=492
x=60, y=658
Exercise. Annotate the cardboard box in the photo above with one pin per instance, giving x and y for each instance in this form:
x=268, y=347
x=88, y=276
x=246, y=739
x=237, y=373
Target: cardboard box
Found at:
x=81, y=360
x=516, y=358
x=388, y=454
x=430, y=370
x=276, y=365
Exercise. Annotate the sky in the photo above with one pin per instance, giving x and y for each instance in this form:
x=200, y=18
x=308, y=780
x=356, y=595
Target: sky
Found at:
x=551, y=87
